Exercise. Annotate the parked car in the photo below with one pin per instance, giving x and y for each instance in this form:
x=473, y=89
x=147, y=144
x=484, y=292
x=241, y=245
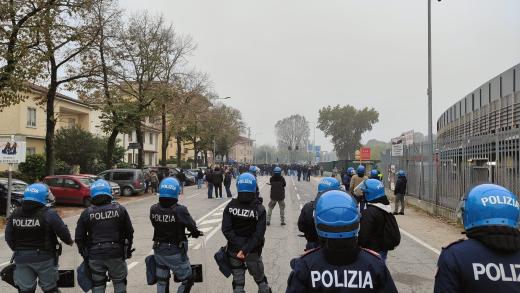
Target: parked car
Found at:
x=17, y=189
x=72, y=189
x=131, y=181
x=191, y=177
x=116, y=190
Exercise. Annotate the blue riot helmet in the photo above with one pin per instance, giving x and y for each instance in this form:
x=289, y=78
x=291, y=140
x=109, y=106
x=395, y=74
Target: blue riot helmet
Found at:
x=100, y=187
x=252, y=169
x=372, y=189
x=328, y=183
x=350, y=171
x=336, y=215
x=490, y=205
x=37, y=192
x=246, y=183
x=401, y=173
x=169, y=188
x=374, y=174
x=361, y=171
x=277, y=170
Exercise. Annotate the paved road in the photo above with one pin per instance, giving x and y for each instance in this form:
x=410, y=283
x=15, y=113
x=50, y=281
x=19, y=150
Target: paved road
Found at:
x=412, y=264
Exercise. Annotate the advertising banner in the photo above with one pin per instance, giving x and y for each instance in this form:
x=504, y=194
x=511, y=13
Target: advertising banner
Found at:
x=12, y=149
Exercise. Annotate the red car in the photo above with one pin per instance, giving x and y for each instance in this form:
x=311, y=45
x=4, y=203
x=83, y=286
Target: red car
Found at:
x=70, y=189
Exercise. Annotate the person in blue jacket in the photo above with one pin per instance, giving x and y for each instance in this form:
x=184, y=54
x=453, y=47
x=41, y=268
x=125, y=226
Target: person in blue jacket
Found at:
x=340, y=265
x=489, y=260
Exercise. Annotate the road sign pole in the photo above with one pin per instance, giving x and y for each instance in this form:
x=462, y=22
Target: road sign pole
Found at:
x=9, y=188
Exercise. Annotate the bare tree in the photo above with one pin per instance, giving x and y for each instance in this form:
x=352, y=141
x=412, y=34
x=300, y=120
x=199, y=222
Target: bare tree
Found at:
x=148, y=49
x=292, y=132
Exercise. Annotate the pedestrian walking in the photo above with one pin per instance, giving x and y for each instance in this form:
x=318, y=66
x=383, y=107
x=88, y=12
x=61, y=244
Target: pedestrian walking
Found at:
x=488, y=260
x=31, y=232
x=346, y=177
x=228, y=176
x=218, y=179
x=277, y=182
x=209, y=182
x=182, y=179
x=378, y=229
x=170, y=245
x=332, y=267
x=400, y=192
x=243, y=225
x=104, y=235
x=146, y=182
x=306, y=223
x=200, y=178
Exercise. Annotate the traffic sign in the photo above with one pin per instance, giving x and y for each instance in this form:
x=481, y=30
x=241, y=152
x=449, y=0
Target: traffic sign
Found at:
x=365, y=154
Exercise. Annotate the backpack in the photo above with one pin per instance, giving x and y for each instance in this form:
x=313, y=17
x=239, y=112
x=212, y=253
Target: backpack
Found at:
x=391, y=233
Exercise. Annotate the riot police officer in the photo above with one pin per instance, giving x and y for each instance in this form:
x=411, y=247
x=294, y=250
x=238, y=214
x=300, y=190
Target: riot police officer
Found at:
x=170, y=220
x=306, y=218
x=32, y=232
x=489, y=260
x=243, y=225
x=104, y=235
x=340, y=265
x=278, y=184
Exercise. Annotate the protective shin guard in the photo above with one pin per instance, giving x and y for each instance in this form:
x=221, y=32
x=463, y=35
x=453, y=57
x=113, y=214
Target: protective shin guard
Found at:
x=53, y=290
x=188, y=285
x=30, y=291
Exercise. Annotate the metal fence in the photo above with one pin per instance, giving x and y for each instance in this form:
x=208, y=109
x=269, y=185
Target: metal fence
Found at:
x=465, y=157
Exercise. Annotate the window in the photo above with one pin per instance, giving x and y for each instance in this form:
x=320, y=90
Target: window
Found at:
x=30, y=151
x=150, y=138
x=54, y=182
x=69, y=183
x=122, y=176
x=150, y=159
x=105, y=176
x=131, y=137
x=31, y=117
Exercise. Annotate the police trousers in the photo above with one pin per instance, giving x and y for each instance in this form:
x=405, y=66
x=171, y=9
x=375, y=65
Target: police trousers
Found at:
x=271, y=205
x=253, y=263
x=179, y=264
x=117, y=271
x=46, y=272
x=399, y=199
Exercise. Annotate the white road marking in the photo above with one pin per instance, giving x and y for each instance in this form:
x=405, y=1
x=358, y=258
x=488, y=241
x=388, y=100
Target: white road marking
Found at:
x=206, y=238
x=298, y=196
x=414, y=238
x=205, y=229
x=215, y=209
x=301, y=206
x=132, y=265
x=4, y=263
x=218, y=213
x=211, y=221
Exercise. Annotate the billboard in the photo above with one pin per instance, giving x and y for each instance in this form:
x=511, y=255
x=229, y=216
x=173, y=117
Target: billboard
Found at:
x=12, y=149
x=397, y=147
x=364, y=154
x=408, y=137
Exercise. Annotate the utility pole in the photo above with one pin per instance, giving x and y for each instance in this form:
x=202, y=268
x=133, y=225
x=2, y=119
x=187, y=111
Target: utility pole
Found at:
x=430, y=123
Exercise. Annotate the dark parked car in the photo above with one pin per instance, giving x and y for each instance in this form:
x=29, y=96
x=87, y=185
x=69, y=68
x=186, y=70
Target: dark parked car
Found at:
x=131, y=181
x=191, y=177
x=72, y=189
x=18, y=187
x=116, y=190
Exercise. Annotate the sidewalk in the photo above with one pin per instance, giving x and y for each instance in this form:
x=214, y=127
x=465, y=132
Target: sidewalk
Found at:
x=423, y=228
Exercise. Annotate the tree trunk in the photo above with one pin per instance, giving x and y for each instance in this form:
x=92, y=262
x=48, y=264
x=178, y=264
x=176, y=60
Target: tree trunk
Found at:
x=179, y=144
x=50, y=158
x=111, y=144
x=140, y=140
x=206, y=158
x=164, y=144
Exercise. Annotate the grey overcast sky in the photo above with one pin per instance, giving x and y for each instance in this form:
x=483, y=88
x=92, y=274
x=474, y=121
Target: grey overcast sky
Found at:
x=280, y=57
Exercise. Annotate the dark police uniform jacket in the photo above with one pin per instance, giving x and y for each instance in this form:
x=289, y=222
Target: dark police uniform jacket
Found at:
x=306, y=222
x=244, y=224
x=102, y=230
x=35, y=229
x=311, y=273
x=470, y=266
x=277, y=187
x=170, y=227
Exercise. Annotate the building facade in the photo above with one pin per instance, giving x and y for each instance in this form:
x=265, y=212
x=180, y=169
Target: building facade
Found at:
x=242, y=150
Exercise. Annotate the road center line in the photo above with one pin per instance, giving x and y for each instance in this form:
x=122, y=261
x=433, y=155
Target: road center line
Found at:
x=212, y=211
x=419, y=241
x=206, y=238
x=298, y=196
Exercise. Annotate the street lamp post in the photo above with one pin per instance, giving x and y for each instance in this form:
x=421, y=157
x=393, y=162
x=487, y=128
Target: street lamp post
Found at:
x=430, y=123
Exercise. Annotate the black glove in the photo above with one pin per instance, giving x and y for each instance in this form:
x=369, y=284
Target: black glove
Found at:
x=197, y=234
x=129, y=252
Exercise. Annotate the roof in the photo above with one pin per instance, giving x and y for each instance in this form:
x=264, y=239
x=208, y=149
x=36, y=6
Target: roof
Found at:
x=44, y=90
